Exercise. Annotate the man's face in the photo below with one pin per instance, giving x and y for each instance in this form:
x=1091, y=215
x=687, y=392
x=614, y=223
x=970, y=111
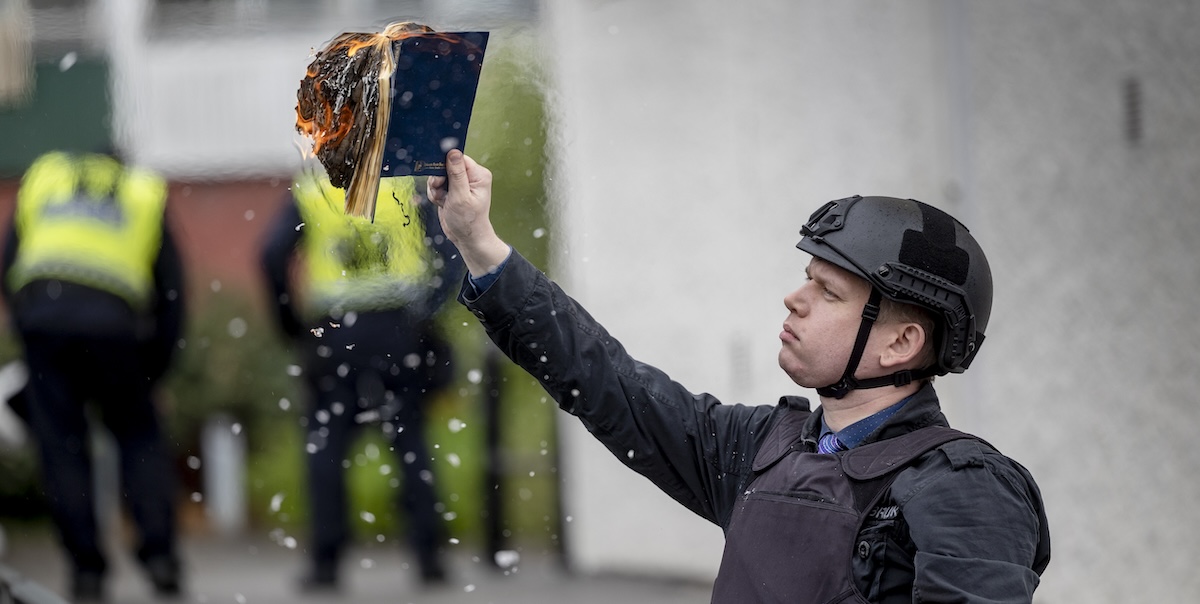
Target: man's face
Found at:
x=823, y=320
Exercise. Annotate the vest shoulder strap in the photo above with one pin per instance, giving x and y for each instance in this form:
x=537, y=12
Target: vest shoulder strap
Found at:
x=785, y=434
x=874, y=467
x=879, y=458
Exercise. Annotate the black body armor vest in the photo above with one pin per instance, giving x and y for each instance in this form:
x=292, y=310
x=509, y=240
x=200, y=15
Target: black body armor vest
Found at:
x=792, y=537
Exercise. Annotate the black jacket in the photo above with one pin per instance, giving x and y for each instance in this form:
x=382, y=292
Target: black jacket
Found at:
x=70, y=308
x=971, y=527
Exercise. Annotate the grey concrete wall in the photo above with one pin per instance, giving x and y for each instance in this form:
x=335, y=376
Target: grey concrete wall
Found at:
x=696, y=136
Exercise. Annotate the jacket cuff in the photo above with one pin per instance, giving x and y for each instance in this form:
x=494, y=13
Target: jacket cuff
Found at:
x=506, y=296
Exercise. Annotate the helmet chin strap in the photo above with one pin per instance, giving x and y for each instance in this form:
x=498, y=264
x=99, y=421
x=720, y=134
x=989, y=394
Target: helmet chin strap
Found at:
x=848, y=382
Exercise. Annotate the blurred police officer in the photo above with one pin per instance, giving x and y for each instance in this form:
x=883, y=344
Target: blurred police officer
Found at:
x=370, y=290
x=95, y=286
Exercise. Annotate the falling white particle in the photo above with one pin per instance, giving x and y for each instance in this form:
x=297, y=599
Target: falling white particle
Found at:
x=453, y=541
x=237, y=327
x=469, y=588
x=453, y=460
x=285, y=404
x=456, y=425
x=474, y=376
x=539, y=233
x=276, y=502
x=294, y=370
x=507, y=558
x=67, y=61
x=367, y=517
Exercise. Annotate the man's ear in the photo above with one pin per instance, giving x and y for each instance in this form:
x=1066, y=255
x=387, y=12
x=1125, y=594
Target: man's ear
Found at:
x=903, y=345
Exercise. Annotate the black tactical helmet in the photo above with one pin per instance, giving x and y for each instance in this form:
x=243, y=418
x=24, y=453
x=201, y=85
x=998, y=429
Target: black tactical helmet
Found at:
x=914, y=253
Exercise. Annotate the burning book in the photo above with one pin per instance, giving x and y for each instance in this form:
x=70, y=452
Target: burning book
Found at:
x=388, y=104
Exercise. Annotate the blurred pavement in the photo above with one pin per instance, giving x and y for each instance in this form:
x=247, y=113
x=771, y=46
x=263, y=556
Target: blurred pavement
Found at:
x=259, y=571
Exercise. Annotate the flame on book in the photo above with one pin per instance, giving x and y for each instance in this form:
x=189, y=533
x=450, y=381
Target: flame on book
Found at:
x=343, y=107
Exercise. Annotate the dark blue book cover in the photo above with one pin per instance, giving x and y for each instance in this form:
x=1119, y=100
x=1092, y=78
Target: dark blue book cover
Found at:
x=433, y=92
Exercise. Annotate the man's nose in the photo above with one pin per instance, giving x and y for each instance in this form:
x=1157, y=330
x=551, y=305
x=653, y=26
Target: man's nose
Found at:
x=796, y=302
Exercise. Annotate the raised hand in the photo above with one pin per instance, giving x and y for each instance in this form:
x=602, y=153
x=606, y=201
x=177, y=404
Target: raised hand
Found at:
x=464, y=199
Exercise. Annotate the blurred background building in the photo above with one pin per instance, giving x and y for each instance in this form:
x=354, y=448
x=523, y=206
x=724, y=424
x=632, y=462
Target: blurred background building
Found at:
x=681, y=146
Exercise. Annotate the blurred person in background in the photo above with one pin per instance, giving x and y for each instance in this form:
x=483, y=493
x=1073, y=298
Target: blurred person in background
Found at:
x=872, y=497
x=95, y=286
x=357, y=299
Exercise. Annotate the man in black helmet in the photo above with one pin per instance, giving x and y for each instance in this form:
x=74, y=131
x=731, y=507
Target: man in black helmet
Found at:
x=870, y=498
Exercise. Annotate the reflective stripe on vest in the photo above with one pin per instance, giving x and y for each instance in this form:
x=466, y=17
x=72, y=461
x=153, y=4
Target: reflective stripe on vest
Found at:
x=354, y=263
x=89, y=220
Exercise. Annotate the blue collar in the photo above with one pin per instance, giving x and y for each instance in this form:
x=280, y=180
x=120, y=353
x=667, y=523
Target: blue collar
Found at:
x=851, y=436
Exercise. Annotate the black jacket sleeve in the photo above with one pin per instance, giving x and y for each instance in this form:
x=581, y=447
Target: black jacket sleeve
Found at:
x=11, y=242
x=449, y=267
x=169, y=303
x=697, y=450
x=275, y=257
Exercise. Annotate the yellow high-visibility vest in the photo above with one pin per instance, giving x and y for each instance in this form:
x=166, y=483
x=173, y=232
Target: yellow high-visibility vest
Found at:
x=88, y=219
x=355, y=264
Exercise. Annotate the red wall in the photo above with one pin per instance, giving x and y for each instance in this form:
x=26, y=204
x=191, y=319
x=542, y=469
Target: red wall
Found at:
x=218, y=226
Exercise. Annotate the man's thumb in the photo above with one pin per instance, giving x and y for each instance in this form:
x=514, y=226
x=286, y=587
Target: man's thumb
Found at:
x=456, y=170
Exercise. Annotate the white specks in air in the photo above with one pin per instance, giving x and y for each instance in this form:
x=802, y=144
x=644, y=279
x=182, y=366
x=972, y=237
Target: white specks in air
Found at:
x=67, y=61
x=237, y=327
